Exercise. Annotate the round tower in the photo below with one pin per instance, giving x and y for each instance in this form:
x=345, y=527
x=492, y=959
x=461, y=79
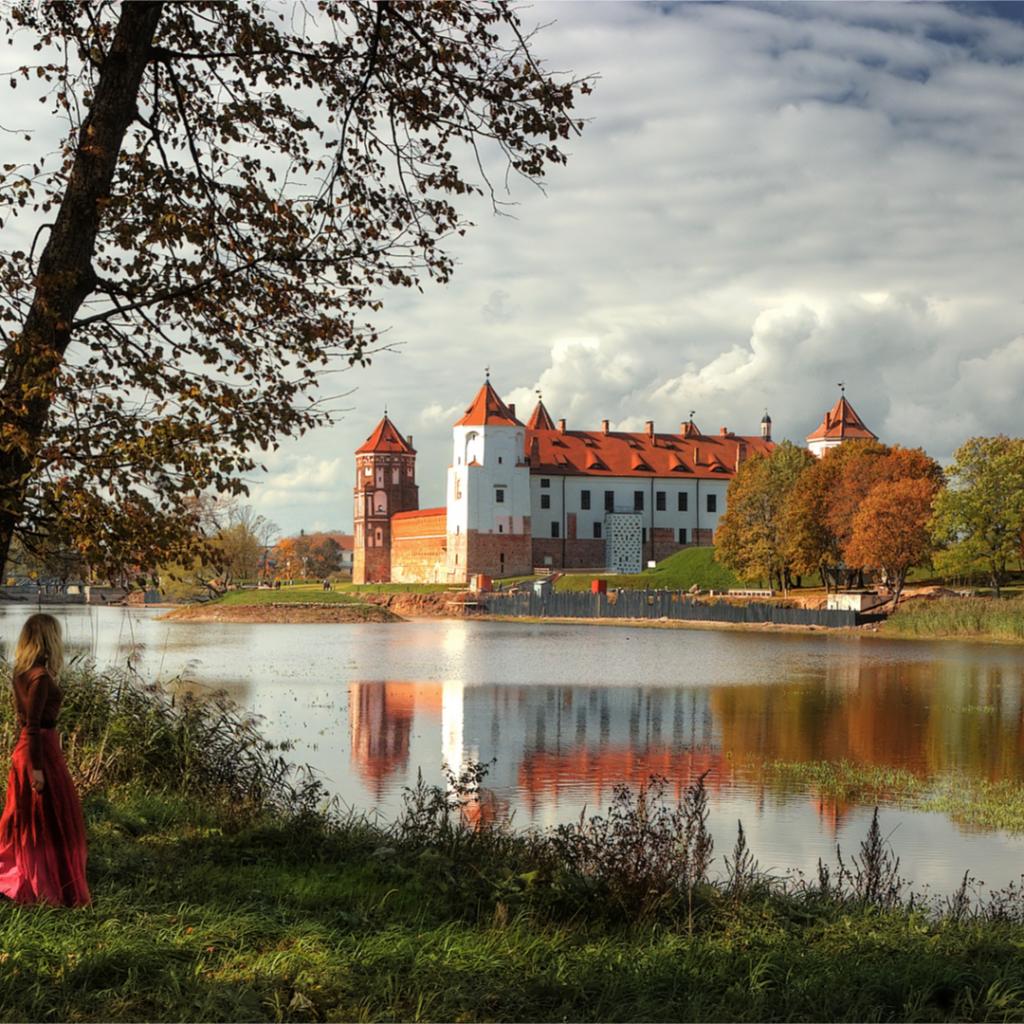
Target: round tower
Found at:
x=766, y=427
x=385, y=484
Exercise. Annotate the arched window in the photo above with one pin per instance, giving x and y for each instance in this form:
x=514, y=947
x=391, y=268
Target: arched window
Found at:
x=380, y=502
x=474, y=447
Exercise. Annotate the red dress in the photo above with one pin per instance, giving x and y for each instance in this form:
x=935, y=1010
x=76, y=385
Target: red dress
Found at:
x=42, y=835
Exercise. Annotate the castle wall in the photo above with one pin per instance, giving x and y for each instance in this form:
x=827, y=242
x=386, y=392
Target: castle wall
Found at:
x=419, y=548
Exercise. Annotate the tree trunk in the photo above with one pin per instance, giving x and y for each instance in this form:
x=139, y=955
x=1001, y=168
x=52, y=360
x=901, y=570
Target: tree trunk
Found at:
x=64, y=278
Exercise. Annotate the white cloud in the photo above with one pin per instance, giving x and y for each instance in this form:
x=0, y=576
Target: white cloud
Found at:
x=767, y=200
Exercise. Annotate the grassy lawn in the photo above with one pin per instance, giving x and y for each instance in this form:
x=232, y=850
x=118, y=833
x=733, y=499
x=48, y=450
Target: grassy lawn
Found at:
x=677, y=572
x=302, y=593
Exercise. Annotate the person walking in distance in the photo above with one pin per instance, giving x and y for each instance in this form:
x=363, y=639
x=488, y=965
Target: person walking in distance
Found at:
x=42, y=832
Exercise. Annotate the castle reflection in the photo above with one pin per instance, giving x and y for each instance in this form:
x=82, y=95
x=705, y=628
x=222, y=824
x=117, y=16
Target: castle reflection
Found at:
x=576, y=743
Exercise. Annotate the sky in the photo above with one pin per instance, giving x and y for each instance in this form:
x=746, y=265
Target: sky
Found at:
x=767, y=199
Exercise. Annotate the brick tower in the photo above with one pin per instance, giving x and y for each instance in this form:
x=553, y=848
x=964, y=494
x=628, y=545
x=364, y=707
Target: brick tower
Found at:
x=385, y=484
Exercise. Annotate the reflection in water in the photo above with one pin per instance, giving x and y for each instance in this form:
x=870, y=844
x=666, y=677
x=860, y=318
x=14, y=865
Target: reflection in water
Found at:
x=569, y=712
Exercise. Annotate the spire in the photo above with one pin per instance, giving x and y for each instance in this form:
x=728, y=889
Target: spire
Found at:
x=487, y=409
x=540, y=419
x=386, y=438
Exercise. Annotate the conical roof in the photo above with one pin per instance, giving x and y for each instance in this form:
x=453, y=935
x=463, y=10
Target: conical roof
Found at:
x=842, y=422
x=540, y=419
x=487, y=409
x=386, y=438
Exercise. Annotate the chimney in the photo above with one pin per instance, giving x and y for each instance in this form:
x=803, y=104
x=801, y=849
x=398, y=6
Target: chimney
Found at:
x=561, y=426
x=604, y=426
x=512, y=409
x=409, y=439
x=723, y=431
x=649, y=427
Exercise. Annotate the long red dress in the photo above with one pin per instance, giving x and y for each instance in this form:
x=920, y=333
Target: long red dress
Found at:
x=42, y=835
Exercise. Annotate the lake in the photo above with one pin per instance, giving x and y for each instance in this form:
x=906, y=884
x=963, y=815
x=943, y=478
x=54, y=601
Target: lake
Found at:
x=567, y=712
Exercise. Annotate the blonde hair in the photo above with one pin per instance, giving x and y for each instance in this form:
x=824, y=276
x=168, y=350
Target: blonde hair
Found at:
x=39, y=643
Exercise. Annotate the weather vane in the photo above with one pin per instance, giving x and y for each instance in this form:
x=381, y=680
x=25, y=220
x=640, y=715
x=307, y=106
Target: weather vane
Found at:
x=487, y=373
x=842, y=387
x=693, y=412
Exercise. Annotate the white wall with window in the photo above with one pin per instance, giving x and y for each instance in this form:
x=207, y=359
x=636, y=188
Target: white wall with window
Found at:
x=662, y=502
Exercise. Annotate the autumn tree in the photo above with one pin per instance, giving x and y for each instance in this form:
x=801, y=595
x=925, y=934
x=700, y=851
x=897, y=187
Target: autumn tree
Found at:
x=750, y=537
x=238, y=188
x=819, y=515
x=979, y=517
x=891, y=529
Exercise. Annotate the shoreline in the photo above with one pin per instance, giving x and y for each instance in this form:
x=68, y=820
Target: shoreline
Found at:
x=281, y=614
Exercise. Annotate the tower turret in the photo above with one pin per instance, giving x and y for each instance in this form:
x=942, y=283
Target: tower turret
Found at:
x=385, y=484
x=766, y=427
x=488, y=522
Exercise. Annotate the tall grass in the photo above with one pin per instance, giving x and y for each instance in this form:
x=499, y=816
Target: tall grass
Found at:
x=960, y=617
x=118, y=729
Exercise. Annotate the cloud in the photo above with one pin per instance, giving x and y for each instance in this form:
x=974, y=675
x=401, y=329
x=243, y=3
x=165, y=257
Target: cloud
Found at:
x=767, y=199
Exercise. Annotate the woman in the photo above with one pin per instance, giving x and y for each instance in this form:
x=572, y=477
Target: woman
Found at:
x=42, y=834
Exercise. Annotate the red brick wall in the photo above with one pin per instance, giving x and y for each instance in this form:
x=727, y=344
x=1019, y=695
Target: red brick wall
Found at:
x=484, y=551
x=419, y=549
x=578, y=554
x=372, y=565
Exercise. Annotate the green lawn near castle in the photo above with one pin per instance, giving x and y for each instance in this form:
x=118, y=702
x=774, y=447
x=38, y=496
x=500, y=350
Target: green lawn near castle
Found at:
x=684, y=569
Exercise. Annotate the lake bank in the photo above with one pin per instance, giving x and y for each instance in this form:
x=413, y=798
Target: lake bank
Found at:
x=223, y=892
x=281, y=613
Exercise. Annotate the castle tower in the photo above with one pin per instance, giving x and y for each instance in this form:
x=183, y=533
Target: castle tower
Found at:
x=488, y=492
x=385, y=484
x=841, y=423
x=766, y=427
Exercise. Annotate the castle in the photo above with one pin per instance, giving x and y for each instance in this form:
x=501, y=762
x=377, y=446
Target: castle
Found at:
x=521, y=496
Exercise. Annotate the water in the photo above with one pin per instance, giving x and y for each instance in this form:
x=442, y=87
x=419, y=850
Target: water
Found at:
x=569, y=711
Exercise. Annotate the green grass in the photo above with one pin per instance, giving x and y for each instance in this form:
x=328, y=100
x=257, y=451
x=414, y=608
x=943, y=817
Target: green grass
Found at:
x=222, y=893
x=299, y=594
x=970, y=617
x=677, y=572
x=975, y=802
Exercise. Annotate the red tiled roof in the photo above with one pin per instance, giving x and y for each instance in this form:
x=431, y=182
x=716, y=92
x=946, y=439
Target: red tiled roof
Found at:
x=487, y=409
x=386, y=438
x=540, y=420
x=595, y=453
x=421, y=513
x=842, y=422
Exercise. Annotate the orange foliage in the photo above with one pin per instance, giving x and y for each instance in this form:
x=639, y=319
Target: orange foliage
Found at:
x=890, y=531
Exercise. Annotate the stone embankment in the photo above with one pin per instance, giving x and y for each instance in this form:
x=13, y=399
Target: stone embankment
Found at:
x=288, y=613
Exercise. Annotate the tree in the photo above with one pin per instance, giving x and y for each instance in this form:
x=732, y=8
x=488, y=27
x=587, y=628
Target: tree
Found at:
x=980, y=515
x=891, y=529
x=822, y=506
x=238, y=188
x=750, y=538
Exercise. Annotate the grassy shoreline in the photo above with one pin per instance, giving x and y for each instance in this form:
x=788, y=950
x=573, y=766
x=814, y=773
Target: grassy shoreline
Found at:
x=226, y=890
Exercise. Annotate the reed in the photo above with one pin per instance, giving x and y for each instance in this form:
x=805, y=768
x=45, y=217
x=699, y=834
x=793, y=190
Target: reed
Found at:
x=971, y=617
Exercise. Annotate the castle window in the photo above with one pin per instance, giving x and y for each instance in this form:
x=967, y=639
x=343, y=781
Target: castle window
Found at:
x=609, y=501
x=585, y=500
x=545, y=482
x=554, y=529
x=644, y=537
x=659, y=500
x=712, y=502
x=501, y=527
x=682, y=536
x=545, y=501
x=395, y=475
x=499, y=460
x=597, y=531
x=499, y=495
x=638, y=501
x=367, y=471
x=380, y=537
x=682, y=504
